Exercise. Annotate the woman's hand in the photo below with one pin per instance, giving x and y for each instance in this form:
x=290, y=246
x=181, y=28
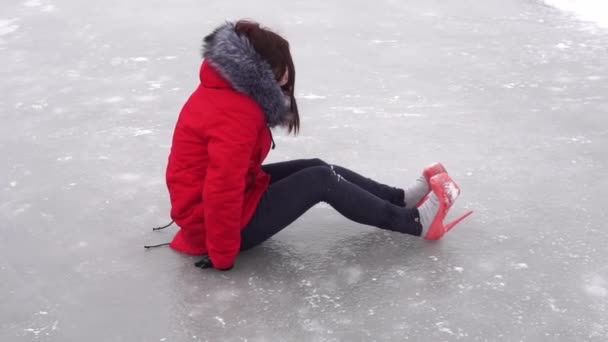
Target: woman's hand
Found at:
x=205, y=262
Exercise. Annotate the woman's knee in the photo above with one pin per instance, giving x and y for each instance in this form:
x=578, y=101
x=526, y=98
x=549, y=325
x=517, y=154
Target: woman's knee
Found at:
x=325, y=174
x=316, y=162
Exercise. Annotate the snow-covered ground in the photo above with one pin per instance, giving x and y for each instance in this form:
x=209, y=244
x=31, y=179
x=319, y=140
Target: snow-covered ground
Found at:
x=512, y=95
x=595, y=11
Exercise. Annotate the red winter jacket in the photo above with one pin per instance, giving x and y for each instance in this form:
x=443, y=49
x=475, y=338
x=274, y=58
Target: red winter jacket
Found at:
x=222, y=135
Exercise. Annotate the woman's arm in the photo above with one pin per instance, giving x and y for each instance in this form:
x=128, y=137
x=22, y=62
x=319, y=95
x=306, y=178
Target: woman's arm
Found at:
x=231, y=139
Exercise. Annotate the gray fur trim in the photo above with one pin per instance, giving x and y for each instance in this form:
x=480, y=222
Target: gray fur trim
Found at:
x=236, y=60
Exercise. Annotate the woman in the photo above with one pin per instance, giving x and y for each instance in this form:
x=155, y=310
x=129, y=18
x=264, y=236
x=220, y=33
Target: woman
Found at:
x=225, y=200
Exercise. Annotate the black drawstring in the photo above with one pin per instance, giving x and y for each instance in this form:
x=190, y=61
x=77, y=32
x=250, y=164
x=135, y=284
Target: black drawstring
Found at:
x=163, y=227
x=272, y=138
x=154, y=246
x=159, y=228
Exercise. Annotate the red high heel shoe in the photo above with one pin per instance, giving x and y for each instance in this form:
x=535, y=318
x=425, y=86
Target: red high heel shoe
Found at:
x=428, y=173
x=447, y=192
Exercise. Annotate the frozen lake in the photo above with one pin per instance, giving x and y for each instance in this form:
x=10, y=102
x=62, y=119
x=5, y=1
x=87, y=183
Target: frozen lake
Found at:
x=512, y=95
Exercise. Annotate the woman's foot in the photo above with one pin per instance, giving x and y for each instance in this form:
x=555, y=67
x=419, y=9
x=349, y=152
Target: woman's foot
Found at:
x=415, y=195
x=433, y=210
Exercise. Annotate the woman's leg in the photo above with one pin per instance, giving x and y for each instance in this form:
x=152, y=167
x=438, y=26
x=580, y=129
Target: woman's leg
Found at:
x=286, y=200
x=279, y=171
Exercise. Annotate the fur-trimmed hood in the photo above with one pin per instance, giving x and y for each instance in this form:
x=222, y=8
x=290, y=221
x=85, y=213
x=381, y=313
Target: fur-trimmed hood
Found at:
x=235, y=59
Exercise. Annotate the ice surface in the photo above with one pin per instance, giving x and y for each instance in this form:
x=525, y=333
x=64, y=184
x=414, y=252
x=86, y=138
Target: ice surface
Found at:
x=589, y=10
x=512, y=95
x=8, y=26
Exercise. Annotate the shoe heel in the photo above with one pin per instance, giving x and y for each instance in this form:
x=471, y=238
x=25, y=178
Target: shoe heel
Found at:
x=457, y=220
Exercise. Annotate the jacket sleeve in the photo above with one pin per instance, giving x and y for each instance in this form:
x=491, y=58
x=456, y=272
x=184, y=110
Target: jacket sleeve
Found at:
x=231, y=138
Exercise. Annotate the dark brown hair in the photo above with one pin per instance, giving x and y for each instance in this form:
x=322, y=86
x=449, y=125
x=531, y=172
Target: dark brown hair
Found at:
x=275, y=50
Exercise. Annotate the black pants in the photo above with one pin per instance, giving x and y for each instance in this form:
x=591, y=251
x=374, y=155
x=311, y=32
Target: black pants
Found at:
x=298, y=185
